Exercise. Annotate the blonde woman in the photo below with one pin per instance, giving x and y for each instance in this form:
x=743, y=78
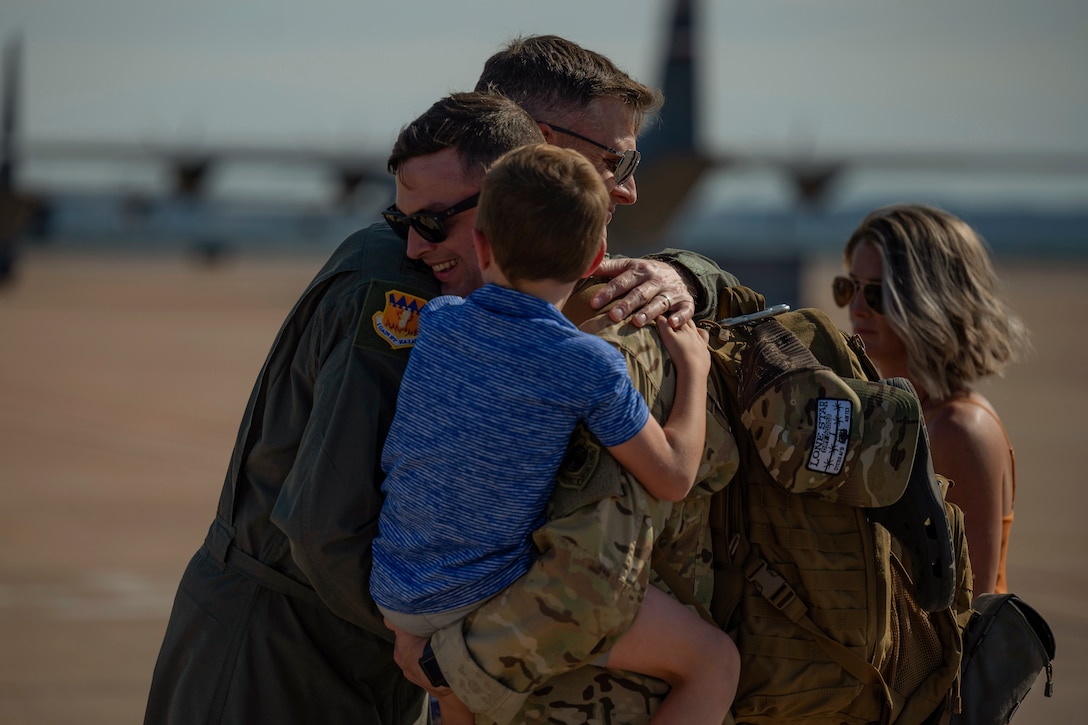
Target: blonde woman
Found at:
x=923, y=296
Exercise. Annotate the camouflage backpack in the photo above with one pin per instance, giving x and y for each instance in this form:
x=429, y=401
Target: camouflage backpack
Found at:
x=836, y=620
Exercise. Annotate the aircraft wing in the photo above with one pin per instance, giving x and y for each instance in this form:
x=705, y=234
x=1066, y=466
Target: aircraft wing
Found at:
x=192, y=164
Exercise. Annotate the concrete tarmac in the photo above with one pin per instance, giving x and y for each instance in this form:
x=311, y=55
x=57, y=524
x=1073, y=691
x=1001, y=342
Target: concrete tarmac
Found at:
x=122, y=382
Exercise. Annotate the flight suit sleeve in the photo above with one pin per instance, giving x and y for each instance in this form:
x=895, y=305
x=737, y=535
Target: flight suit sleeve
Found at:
x=580, y=595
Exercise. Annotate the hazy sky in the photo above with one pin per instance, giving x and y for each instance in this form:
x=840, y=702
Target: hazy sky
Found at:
x=778, y=74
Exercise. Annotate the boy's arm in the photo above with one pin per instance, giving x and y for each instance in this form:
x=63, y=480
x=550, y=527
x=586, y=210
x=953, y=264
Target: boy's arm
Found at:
x=665, y=458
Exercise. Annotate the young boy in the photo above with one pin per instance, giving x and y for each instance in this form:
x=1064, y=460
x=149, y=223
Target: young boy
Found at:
x=493, y=390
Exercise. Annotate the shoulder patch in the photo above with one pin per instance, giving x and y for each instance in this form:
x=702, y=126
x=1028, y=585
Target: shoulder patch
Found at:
x=390, y=317
x=587, y=475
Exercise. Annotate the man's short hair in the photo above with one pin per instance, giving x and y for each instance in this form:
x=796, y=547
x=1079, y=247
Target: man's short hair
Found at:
x=553, y=79
x=481, y=126
x=543, y=209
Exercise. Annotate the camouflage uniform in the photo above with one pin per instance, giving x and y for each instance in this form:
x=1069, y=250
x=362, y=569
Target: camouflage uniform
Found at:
x=515, y=660
x=584, y=590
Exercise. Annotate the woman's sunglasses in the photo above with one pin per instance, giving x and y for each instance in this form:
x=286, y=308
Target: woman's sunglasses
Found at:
x=429, y=225
x=845, y=288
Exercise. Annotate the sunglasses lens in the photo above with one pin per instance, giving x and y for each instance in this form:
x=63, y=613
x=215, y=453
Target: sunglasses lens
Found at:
x=874, y=297
x=429, y=227
x=397, y=222
x=626, y=165
x=843, y=290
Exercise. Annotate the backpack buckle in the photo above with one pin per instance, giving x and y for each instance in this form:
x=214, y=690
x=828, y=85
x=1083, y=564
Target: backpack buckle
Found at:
x=770, y=584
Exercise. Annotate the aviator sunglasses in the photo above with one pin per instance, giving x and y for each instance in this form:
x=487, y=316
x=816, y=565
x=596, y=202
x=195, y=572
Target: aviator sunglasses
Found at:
x=845, y=288
x=622, y=168
x=429, y=225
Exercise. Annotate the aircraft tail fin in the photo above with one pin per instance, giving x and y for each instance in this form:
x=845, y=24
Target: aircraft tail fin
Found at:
x=672, y=161
x=9, y=110
x=675, y=131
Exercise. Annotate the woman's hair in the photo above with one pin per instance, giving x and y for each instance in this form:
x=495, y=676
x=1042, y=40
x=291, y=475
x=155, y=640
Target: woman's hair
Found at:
x=941, y=296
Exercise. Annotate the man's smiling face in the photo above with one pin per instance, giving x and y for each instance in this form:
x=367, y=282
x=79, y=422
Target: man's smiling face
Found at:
x=433, y=184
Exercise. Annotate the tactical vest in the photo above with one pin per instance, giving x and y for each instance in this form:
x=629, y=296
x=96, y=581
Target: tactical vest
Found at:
x=815, y=595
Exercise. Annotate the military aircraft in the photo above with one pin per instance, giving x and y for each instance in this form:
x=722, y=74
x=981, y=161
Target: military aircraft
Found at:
x=357, y=182
x=674, y=161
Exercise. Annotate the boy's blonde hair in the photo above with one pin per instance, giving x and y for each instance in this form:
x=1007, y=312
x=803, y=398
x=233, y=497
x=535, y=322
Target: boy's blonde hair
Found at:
x=543, y=209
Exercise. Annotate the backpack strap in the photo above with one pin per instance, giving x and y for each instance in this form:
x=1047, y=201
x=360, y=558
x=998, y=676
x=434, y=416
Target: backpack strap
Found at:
x=772, y=587
x=677, y=586
x=776, y=591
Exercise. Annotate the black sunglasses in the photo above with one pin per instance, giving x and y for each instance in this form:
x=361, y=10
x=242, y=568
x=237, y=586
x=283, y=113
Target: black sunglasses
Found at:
x=845, y=288
x=622, y=168
x=429, y=225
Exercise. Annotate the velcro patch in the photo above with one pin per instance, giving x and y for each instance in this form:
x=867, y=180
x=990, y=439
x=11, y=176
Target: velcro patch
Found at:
x=390, y=317
x=832, y=436
x=587, y=475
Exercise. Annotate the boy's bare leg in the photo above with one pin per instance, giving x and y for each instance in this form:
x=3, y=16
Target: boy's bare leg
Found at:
x=699, y=661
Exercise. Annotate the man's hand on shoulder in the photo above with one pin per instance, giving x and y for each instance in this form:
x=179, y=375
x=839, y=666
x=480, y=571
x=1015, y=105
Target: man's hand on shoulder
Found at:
x=649, y=288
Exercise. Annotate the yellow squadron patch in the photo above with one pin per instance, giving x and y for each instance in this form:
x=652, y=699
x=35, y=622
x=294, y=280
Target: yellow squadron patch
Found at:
x=398, y=321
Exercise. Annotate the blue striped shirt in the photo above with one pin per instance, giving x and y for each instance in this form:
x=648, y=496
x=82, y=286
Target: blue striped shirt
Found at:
x=493, y=389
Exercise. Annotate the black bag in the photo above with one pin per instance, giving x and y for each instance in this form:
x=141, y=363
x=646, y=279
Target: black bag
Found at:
x=1005, y=646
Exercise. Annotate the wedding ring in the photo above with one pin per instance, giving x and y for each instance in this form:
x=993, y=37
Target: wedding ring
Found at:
x=668, y=302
